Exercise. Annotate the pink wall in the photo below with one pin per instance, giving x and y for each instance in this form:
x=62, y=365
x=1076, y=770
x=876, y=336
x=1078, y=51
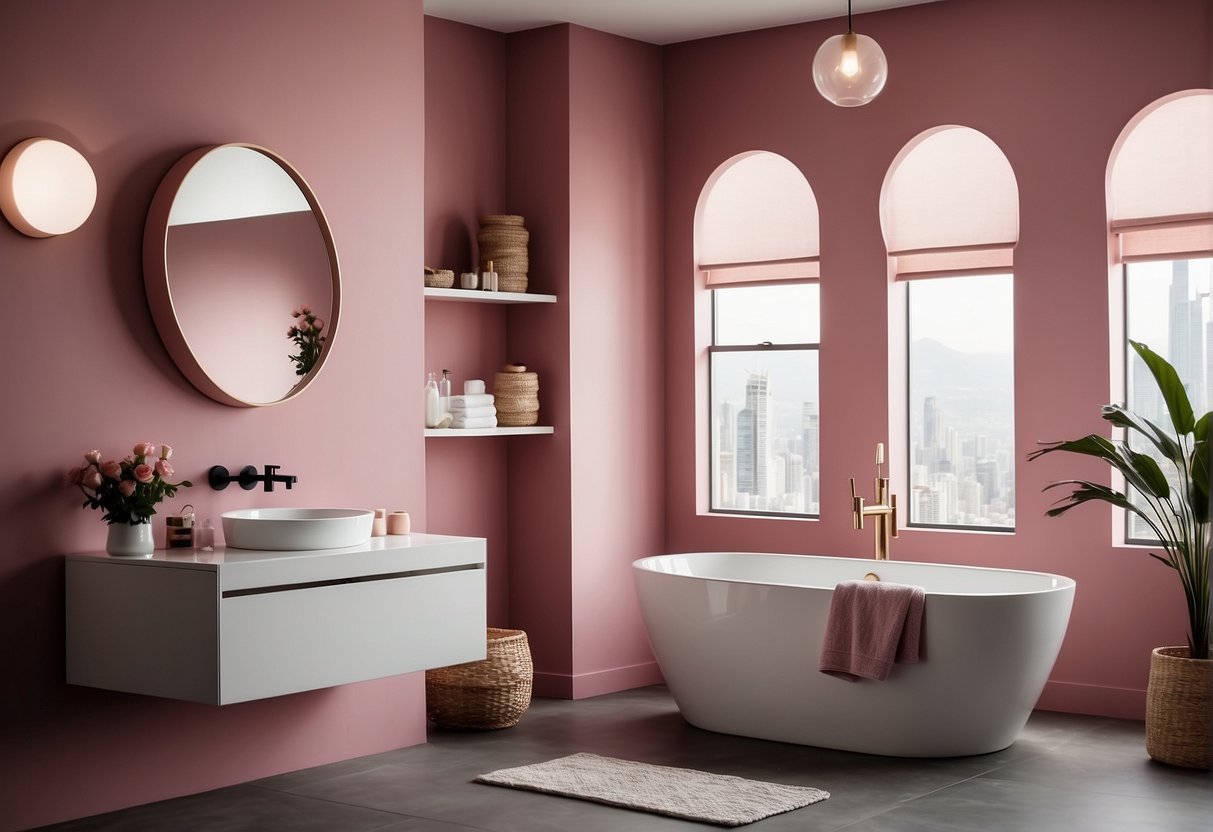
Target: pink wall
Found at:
x=134, y=85
x=615, y=383
x=539, y=483
x=1054, y=102
x=464, y=180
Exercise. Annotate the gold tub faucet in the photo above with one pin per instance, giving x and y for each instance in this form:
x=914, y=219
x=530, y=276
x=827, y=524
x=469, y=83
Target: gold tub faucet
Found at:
x=885, y=509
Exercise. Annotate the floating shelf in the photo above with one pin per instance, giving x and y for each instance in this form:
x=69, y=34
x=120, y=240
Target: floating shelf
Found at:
x=456, y=432
x=478, y=296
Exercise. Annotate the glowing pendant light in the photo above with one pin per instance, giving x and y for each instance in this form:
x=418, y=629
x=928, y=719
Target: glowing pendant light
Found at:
x=850, y=70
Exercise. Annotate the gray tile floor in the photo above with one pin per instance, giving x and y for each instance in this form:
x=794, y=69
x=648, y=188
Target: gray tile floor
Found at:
x=1066, y=772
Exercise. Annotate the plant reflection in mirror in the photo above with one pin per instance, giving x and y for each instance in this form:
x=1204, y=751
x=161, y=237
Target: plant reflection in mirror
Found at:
x=305, y=332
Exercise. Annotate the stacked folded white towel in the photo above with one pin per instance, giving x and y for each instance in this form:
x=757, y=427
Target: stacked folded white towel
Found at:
x=473, y=411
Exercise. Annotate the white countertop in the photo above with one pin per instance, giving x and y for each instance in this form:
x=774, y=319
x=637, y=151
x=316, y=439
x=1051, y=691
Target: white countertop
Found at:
x=250, y=568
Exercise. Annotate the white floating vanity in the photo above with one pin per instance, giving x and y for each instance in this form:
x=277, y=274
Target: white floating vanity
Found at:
x=235, y=624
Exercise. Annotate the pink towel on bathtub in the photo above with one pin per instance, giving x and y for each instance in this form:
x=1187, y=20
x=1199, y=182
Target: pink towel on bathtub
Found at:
x=871, y=625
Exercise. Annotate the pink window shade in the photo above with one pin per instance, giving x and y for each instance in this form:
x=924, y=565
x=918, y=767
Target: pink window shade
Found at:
x=1160, y=181
x=946, y=262
x=1165, y=238
x=950, y=206
x=762, y=273
x=758, y=223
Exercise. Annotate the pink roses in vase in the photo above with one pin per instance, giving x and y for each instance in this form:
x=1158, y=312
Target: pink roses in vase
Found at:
x=127, y=490
x=305, y=332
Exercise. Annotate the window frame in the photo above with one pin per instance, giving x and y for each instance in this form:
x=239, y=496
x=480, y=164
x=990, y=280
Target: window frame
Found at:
x=909, y=522
x=1127, y=356
x=760, y=347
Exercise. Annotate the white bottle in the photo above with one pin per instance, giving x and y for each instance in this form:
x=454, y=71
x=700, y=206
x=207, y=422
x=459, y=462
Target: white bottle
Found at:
x=444, y=393
x=433, y=407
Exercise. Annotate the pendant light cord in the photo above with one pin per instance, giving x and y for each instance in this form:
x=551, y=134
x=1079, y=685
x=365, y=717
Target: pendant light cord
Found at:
x=849, y=29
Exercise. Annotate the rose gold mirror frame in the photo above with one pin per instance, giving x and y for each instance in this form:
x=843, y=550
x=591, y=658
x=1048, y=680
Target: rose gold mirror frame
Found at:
x=159, y=294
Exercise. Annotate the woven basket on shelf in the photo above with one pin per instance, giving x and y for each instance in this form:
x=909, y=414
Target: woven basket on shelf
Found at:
x=503, y=242
x=491, y=693
x=439, y=278
x=1179, y=701
x=502, y=219
x=516, y=396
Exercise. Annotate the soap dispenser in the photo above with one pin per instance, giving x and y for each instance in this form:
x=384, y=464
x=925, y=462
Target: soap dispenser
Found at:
x=433, y=407
x=444, y=394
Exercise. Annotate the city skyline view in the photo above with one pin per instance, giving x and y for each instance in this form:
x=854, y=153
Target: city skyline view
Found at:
x=1168, y=305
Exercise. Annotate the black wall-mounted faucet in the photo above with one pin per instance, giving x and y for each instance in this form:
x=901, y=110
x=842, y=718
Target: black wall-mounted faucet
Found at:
x=219, y=478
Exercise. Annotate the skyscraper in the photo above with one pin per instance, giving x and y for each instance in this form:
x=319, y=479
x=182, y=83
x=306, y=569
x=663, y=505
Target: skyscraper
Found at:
x=754, y=436
x=1184, y=336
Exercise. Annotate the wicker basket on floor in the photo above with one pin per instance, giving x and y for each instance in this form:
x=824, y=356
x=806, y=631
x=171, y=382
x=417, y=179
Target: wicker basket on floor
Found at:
x=489, y=694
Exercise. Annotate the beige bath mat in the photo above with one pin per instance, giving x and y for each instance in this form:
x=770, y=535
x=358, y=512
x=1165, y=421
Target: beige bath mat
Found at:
x=663, y=790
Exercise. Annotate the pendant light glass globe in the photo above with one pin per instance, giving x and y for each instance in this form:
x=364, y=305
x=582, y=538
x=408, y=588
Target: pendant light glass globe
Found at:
x=850, y=70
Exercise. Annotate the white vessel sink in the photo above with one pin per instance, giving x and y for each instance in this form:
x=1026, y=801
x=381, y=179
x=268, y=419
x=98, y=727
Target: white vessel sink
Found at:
x=296, y=529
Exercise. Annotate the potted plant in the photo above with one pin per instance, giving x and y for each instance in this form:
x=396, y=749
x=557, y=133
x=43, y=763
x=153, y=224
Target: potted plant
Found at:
x=1176, y=509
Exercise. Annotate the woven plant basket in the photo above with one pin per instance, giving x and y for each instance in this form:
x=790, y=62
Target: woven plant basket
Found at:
x=489, y=694
x=1179, y=708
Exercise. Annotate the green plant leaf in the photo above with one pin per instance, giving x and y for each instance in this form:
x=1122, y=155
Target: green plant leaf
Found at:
x=1170, y=386
x=1085, y=492
x=1201, y=429
x=1159, y=438
x=1150, y=474
x=1199, y=496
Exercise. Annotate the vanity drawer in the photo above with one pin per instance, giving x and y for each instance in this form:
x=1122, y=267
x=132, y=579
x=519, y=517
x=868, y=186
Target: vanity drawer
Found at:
x=280, y=640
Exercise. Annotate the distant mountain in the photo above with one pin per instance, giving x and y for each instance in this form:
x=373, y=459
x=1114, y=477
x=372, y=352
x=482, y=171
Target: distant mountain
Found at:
x=974, y=390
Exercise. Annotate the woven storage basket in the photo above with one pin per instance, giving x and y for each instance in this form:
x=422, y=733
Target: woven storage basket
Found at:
x=491, y=693
x=503, y=242
x=503, y=237
x=440, y=279
x=502, y=219
x=1179, y=701
x=516, y=397
x=511, y=283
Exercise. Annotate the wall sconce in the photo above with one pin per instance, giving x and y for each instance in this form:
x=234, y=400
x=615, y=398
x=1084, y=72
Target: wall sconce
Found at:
x=850, y=70
x=46, y=188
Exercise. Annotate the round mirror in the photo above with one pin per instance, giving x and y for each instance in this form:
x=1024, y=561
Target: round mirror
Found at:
x=241, y=274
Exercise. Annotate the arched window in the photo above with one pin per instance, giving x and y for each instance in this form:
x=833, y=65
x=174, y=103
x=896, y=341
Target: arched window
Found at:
x=949, y=211
x=1160, y=218
x=756, y=240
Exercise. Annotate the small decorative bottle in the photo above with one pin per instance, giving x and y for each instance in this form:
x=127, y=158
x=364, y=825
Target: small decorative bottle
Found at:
x=444, y=394
x=433, y=408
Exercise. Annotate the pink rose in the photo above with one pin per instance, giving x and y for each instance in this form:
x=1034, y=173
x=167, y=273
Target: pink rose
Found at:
x=163, y=468
x=144, y=449
x=144, y=472
x=110, y=468
x=166, y=451
x=74, y=475
x=305, y=309
x=126, y=488
x=318, y=324
x=93, y=457
x=91, y=478
x=296, y=312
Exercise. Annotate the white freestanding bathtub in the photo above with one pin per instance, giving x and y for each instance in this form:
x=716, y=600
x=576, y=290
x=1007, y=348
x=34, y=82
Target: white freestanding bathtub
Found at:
x=738, y=637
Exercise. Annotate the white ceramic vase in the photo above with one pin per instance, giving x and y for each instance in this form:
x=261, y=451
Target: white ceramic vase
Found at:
x=125, y=540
